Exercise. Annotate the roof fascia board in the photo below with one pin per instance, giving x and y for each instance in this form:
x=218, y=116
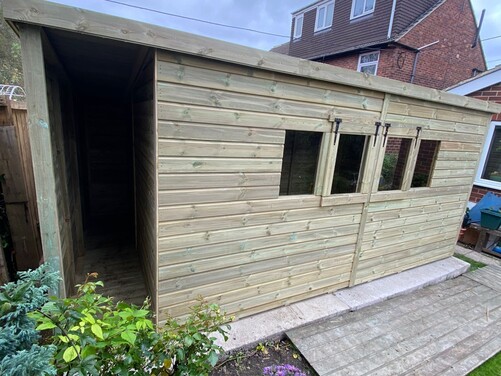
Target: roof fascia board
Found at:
x=44, y=13
x=477, y=83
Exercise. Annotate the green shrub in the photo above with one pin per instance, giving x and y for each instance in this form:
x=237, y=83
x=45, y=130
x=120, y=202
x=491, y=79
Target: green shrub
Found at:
x=94, y=336
x=20, y=353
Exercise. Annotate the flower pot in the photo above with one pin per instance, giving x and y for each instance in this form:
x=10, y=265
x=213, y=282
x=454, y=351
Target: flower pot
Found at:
x=490, y=219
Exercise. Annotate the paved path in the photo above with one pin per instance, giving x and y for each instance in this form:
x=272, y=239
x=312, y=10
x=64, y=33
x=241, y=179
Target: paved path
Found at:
x=445, y=329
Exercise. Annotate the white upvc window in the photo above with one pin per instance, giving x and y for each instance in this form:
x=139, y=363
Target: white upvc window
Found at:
x=361, y=8
x=298, y=26
x=325, y=14
x=367, y=63
x=489, y=170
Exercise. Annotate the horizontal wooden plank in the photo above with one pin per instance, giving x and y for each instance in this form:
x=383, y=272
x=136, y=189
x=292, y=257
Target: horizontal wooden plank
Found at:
x=222, y=180
x=457, y=156
x=343, y=199
x=459, y=146
x=231, y=221
x=200, y=279
x=311, y=284
x=187, y=252
x=230, y=208
x=219, y=165
x=211, y=132
x=323, y=248
x=416, y=202
x=451, y=182
x=411, y=211
x=454, y=173
x=243, y=287
x=197, y=114
x=414, y=193
x=184, y=148
x=197, y=196
x=184, y=69
x=262, y=231
x=454, y=165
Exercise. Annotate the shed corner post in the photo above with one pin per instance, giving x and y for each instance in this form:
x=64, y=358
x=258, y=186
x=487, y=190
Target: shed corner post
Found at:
x=41, y=147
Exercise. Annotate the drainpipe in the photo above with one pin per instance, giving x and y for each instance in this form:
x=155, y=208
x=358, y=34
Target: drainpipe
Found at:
x=416, y=58
x=390, y=26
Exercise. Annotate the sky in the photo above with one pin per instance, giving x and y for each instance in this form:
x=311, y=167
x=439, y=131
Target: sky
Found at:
x=272, y=16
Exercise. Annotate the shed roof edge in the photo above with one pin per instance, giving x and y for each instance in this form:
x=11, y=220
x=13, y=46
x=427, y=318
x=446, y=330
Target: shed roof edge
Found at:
x=44, y=13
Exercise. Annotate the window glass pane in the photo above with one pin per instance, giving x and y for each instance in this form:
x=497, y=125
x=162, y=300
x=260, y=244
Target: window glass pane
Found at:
x=358, y=8
x=349, y=165
x=369, y=5
x=298, y=27
x=299, y=164
x=320, y=17
x=424, y=163
x=395, y=160
x=370, y=69
x=492, y=168
x=330, y=15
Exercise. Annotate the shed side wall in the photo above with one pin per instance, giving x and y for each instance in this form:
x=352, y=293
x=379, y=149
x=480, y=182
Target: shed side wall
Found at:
x=145, y=161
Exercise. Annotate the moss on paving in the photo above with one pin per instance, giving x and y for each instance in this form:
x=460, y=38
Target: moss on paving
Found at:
x=490, y=368
x=474, y=265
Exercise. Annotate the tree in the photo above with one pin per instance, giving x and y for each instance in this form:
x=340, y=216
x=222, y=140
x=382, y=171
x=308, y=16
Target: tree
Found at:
x=11, y=70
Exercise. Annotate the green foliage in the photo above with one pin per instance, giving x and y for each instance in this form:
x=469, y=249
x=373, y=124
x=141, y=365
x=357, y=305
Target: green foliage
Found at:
x=11, y=71
x=489, y=368
x=94, y=336
x=19, y=351
x=388, y=170
x=474, y=265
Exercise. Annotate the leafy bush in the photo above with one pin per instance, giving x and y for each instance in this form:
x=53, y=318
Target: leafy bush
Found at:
x=94, y=336
x=20, y=353
x=387, y=171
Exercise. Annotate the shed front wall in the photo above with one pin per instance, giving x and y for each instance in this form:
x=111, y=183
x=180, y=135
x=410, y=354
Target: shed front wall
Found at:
x=225, y=232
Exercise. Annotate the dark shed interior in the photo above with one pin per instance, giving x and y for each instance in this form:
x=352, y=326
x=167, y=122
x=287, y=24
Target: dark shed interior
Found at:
x=97, y=120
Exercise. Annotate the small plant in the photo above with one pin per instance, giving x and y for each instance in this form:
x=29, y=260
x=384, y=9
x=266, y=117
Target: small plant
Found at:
x=95, y=336
x=20, y=353
x=283, y=370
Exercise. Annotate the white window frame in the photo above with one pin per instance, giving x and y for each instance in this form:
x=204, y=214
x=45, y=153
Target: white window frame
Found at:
x=483, y=160
x=298, y=33
x=324, y=5
x=361, y=65
x=364, y=13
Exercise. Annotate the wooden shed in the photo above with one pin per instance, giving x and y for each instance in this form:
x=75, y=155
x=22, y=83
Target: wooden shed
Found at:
x=251, y=178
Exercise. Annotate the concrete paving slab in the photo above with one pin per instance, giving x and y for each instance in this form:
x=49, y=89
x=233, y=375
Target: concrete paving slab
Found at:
x=271, y=325
x=402, y=283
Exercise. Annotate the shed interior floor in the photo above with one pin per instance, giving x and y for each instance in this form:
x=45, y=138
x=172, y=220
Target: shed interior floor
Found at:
x=116, y=263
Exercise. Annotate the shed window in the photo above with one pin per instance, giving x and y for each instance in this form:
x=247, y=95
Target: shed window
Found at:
x=298, y=26
x=489, y=171
x=394, y=163
x=349, y=164
x=424, y=163
x=325, y=14
x=367, y=63
x=299, y=164
x=361, y=8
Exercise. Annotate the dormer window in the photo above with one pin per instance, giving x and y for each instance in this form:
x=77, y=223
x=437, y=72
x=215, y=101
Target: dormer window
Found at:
x=325, y=14
x=298, y=26
x=361, y=8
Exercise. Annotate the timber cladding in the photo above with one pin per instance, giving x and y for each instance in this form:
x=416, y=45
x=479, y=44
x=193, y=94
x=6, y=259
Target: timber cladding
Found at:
x=260, y=179
x=226, y=233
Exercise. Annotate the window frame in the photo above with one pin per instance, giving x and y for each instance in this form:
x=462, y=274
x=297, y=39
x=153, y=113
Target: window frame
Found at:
x=364, y=13
x=294, y=33
x=483, y=160
x=320, y=6
x=360, y=64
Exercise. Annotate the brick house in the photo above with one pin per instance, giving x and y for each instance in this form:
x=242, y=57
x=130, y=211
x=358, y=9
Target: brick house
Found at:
x=486, y=86
x=427, y=42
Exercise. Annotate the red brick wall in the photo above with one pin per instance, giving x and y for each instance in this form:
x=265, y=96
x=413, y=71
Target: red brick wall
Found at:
x=439, y=66
x=452, y=59
x=478, y=192
x=492, y=93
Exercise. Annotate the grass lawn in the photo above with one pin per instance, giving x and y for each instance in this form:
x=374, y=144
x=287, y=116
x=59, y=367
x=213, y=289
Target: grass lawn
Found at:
x=474, y=265
x=490, y=368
